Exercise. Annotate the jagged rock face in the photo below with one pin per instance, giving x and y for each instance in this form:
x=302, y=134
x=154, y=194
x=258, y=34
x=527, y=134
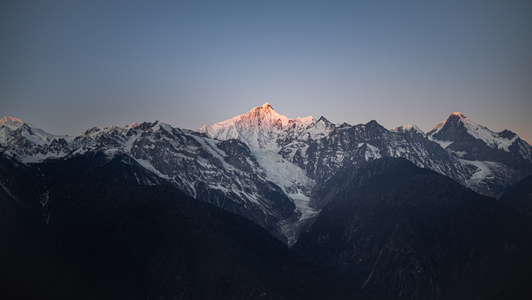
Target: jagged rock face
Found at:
x=491, y=163
x=472, y=141
x=495, y=160
x=202, y=168
x=270, y=168
x=353, y=146
x=190, y=161
x=22, y=140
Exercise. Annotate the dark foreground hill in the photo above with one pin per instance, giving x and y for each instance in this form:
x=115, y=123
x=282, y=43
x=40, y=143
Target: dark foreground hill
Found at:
x=519, y=196
x=100, y=227
x=401, y=232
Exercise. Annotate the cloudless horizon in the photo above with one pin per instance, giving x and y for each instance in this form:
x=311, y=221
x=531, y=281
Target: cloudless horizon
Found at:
x=67, y=66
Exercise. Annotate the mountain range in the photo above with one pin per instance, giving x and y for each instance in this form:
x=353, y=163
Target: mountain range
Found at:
x=292, y=177
x=268, y=168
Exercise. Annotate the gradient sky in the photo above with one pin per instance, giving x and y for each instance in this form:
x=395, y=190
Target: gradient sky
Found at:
x=66, y=66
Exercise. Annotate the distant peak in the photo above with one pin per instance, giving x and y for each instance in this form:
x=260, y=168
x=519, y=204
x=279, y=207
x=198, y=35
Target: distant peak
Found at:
x=409, y=127
x=458, y=115
x=454, y=120
x=261, y=127
x=265, y=109
x=132, y=125
x=458, y=118
x=7, y=120
x=372, y=123
x=323, y=119
x=266, y=106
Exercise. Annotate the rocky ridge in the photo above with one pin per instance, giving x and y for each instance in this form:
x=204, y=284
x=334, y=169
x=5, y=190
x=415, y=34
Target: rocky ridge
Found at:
x=270, y=168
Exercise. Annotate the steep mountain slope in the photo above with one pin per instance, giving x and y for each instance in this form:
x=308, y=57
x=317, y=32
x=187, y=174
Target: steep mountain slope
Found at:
x=107, y=213
x=21, y=221
x=265, y=132
x=270, y=168
x=260, y=128
x=401, y=232
x=223, y=173
x=301, y=155
x=28, y=143
x=114, y=230
x=496, y=159
x=471, y=154
x=354, y=146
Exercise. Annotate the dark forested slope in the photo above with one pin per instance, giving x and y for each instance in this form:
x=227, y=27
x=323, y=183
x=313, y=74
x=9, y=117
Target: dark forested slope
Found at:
x=100, y=227
x=401, y=232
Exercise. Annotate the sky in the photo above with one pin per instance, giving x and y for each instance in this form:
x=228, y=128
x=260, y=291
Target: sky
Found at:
x=66, y=66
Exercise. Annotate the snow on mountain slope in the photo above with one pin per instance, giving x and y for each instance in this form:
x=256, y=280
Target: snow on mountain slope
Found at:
x=10, y=127
x=484, y=153
x=446, y=131
x=11, y=122
x=459, y=133
x=486, y=173
x=295, y=184
x=265, y=131
x=269, y=168
x=352, y=146
x=300, y=155
x=223, y=173
x=260, y=128
x=29, y=143
x=315, y=151
x=406, y=128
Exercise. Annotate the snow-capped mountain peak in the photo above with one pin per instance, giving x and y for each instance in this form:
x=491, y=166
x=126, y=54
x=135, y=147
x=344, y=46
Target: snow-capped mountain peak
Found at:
x=267, y=167
x=12, y=127
x=458, y=117
x=260, y=128
x=133, y=125
x=458, y=114
x=459, y=128
x=319, y=129
x=27, y=142
x=266, y=106
x=11, y=122
x=408, y=128
x=454, y=118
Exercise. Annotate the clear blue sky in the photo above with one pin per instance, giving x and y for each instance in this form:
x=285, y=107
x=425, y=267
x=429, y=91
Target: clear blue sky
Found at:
x=66, y=66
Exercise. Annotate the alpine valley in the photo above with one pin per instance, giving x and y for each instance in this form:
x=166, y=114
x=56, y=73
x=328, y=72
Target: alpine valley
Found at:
x=152, y=211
